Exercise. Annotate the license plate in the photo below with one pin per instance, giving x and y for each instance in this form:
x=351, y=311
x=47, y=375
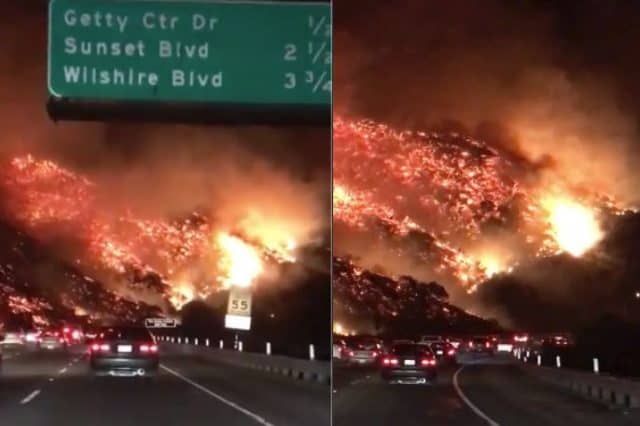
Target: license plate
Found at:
x=49, y=347
x=124, y=348
x=409, y=362
x=439, y=352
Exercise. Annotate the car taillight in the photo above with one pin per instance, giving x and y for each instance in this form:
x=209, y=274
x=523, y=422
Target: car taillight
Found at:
x=487, y=345
x=451, y=352
x=374, y=354
x=350, y=353
x=100, y=347
x=148, y=348
x=470, y=344
x=390, y=361
x=61, y=340
x=428, y=361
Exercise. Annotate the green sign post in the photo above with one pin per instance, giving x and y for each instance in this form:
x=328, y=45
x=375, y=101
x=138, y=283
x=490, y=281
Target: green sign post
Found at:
x=258, y=55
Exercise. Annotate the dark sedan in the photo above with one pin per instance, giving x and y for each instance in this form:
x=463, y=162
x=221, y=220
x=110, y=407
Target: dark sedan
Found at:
x=124, y=351
x=409, y=362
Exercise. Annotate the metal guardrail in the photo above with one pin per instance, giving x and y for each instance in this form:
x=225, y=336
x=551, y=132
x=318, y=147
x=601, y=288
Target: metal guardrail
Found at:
x=294, y=368
x=612, y=391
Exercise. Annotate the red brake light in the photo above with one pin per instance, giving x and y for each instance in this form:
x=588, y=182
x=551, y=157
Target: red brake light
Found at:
x=470, y=344
x=428, y=361
x=350, y=353
x=100, y=347
x=487, y=344
x=451, y=352
x=390, y=361
x=149, y=348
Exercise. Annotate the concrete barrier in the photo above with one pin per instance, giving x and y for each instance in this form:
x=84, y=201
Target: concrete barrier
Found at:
x=608, y=390
x=299, y=369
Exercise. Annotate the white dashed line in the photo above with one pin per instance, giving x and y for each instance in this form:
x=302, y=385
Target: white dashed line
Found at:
x=51, y=379
x=30, y=397
x=467, y=401
x=231, y=404
x=64, y=370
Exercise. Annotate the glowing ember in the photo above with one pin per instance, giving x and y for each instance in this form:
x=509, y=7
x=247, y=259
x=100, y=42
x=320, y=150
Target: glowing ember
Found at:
x=573, y=226
x=240, y=261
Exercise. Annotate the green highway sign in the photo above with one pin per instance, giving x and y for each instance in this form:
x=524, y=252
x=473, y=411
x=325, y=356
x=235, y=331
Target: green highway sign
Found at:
x=197, y=52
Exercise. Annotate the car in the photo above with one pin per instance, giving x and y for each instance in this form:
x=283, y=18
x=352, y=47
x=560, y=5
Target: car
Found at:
x=52, y=342
x=410, y=363
x=557, y=341
x=339, y=348
x=443, y=351
x=454, y=342
x=124, y=351
x=481, y=345
x=505, y=345
x=13, y=338
x=428, y=339
x=31, y=336
x=363, y=350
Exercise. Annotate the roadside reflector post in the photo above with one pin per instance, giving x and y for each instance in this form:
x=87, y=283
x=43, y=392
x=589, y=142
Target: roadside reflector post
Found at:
x=179, y=340
x=196, y=342
x=206, y=342
x=240, y=345
x=186, y=340
x=312, y=353
x=268, y=348
x=539, y=360
x=221, y=344
x=558, y=364
x=596, y=365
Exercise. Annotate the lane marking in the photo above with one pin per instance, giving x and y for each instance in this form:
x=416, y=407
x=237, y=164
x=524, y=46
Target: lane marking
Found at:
x=467, y=401
x=30, y=396
x=222, y=399
x=64, y=370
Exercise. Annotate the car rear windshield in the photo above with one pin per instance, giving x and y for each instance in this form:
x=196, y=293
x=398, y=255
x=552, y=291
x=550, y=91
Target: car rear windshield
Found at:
x=133, y=333
x=480, y=340
x=410, y=349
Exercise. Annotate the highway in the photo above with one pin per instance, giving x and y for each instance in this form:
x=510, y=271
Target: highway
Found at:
x=51, y=389
x=492, y=391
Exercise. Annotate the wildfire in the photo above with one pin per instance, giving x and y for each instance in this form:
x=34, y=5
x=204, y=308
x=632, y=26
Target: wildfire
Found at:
x=189, y=255
x=240, y=261
x=574, y=226
x=442, y=191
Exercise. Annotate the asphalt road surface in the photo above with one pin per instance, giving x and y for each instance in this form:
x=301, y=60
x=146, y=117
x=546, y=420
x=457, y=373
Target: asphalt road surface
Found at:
x=56, y=389
x=490, y=391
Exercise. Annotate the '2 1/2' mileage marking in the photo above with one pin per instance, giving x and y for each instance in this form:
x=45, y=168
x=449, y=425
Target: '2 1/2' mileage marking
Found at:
x=319, y=53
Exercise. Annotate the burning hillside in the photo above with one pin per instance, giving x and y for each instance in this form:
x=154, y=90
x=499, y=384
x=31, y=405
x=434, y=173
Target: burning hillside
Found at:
x=155, y=260
x=404, y=306
x=446, y=206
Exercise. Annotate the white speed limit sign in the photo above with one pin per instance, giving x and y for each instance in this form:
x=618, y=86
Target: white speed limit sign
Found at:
x=239, y=302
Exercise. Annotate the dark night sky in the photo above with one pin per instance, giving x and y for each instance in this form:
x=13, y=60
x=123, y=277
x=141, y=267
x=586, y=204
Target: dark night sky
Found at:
x=584, y=38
